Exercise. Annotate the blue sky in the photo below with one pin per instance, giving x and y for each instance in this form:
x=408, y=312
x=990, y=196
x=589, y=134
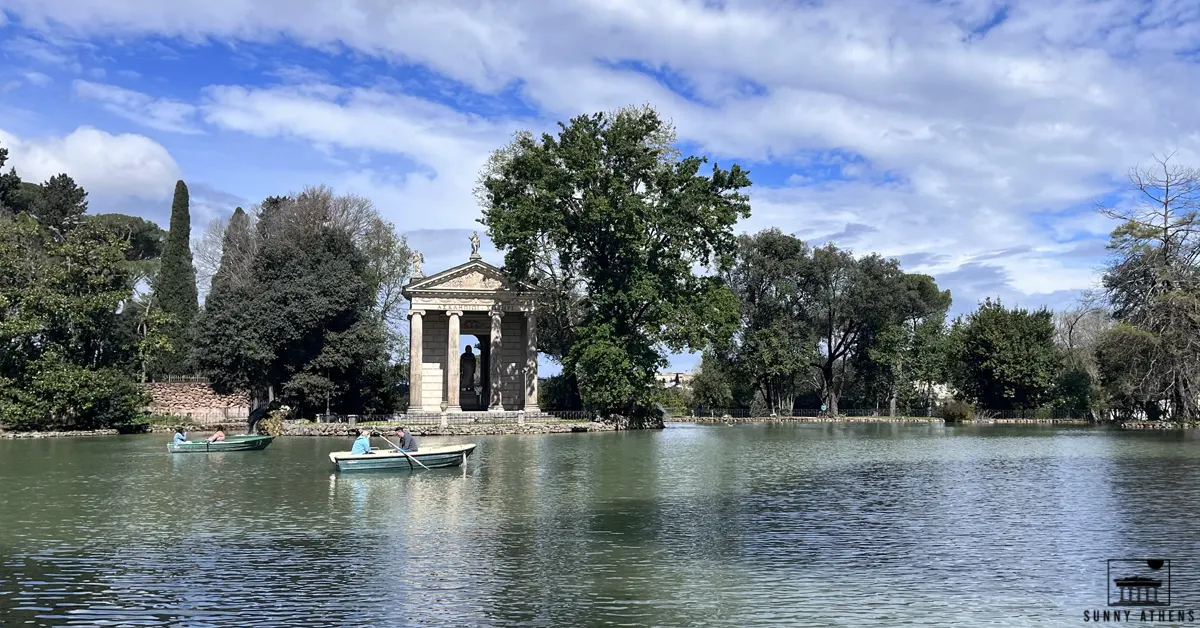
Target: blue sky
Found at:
x=970, y=139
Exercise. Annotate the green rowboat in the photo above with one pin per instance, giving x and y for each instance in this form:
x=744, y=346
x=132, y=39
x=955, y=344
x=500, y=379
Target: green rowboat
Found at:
x=231, y=443
x=431, y=457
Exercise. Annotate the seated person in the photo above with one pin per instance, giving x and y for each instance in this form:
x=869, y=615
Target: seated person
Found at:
x=362, y=444
x=218, y=436
x=406, y=441
x=180, y=436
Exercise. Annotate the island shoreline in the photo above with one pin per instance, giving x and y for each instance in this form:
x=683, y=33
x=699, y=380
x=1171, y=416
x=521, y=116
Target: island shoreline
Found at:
x=298, y=428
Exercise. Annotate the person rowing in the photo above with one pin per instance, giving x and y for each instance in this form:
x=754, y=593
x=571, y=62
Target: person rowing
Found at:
x=405, y=440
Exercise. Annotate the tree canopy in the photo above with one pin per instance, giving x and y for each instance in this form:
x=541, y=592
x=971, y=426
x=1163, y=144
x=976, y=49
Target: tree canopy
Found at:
x=1004, y=358
x=294, y=311
x=68, y=350
x=612, y=225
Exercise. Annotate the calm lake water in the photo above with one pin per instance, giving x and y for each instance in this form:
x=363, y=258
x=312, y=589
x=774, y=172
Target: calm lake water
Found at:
x=747, y=525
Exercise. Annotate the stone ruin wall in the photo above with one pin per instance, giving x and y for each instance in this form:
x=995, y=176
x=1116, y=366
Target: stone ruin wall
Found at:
x=199, y=402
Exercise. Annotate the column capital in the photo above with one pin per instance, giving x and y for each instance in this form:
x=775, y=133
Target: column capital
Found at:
x=496, y=312
x=412, y=313
x=454, y=313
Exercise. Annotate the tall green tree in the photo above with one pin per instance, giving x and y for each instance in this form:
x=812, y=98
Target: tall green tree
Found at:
x=903, y=351
x=1004, y=358
x=774, y=346
x=67, y=358
x=16, y=196
x=60, y=205
x=292, y=312
x=844, y=298
x=174, y=291
x=611, y=224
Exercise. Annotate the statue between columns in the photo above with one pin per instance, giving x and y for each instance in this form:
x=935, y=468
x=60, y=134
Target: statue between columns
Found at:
x=466, y=369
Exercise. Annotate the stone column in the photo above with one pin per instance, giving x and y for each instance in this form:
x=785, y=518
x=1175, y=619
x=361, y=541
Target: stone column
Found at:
x=452, y=357
x=496, y=400
x=416, y=354
x=531, y=362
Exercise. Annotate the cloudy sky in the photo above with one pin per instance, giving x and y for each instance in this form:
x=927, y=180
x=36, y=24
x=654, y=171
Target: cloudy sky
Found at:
x=970, y=139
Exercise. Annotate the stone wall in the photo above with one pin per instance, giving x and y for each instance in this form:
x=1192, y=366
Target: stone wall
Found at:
x=304, y=428
x=808, y=419
x=198, y=402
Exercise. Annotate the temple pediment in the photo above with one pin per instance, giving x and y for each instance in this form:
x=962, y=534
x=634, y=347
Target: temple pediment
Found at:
x=474, y=276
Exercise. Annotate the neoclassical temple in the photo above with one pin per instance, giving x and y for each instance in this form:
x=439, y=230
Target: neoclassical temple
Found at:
x=476, y=300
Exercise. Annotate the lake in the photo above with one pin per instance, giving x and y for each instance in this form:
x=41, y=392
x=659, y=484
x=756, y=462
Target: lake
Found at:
x=694, y=525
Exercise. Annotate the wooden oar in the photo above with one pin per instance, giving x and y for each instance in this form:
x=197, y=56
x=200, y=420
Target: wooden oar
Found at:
x=402, y=451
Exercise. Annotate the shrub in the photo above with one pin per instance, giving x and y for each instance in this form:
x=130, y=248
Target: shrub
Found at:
x=272, y=424
x=955, y=411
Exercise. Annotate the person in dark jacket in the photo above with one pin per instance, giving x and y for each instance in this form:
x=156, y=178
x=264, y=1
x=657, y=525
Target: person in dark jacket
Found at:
x=405, y=440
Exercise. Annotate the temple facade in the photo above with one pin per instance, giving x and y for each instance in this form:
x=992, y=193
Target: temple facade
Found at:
x=473, y=300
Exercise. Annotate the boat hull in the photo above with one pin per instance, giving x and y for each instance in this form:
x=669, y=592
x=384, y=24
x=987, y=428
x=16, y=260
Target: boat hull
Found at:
x=233, y=443
x=383, y=459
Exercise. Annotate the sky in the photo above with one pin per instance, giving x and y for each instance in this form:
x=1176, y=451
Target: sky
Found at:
x=970, y=139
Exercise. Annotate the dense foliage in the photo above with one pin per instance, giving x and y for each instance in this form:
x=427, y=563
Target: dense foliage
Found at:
x=68, y=351
x=1004, y=358
x=299, y=309
x=612, y=225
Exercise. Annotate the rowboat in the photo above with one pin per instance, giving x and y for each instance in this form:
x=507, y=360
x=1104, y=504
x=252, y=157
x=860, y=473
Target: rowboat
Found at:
x=431, y=457
x=231, y=443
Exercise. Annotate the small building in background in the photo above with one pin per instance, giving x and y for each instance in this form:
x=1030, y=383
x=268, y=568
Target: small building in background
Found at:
x=675, y=380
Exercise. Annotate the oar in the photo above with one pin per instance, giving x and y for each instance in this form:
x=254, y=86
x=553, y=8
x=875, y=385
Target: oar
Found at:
x=402, y=451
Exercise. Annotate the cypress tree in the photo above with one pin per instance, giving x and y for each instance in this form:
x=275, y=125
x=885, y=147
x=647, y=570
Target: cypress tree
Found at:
x=175, y=286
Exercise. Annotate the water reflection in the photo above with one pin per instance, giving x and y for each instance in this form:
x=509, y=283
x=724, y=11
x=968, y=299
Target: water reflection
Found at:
x=810, y=524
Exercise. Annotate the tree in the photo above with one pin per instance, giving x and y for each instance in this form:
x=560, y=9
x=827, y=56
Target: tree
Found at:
x=292, y=311
x=1129, y=374
x=175, y=287
x=711, y=386
x=774, y=345
x=1153, y=282
x=143, y=238
x=844, y=298
x=60, y=205
x=10, y=187
x=66, y=359
x=609, y=223
x=1078, y=331
x=1004, y=358
x=904, y=351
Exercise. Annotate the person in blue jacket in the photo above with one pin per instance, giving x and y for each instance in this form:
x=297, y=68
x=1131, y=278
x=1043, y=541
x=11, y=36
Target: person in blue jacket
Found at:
x=362, y=444
x=180, y=436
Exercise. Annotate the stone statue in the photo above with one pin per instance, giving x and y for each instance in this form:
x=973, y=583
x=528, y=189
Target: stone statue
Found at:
x=466, y=370
x=416, y=259
x=474, y=245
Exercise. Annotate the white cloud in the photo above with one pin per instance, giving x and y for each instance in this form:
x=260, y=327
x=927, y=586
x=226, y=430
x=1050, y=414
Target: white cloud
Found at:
x=985, y=131
x=37, y=78
x=449, y=147
x=157, y=113
x=104, y=164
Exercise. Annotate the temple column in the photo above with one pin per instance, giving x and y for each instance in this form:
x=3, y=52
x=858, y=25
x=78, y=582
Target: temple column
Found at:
x=496, y=401
x=416, y=354
x=452, y=357
x=531, y=362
